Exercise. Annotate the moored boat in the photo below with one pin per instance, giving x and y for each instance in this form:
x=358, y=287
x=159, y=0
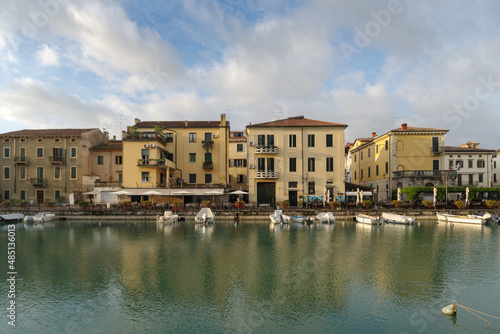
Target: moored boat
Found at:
x=205, y=216
x=40, y=217
x=167, y=217
x=326, y=217
x=302, y=219
x=367, y=219
x=397, y=219
x=445, y=217
x=279, y=218
x=492, y=218
x=11, y=217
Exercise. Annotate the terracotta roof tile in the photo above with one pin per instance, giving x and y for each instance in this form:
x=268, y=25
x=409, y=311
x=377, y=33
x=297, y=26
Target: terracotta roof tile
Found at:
x=296, y=121
x=416, y=129
x=450, y=149
x=48, y=132
x=179, y=124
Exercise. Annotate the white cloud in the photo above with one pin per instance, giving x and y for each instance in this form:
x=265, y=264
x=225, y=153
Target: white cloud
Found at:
x=47, y=56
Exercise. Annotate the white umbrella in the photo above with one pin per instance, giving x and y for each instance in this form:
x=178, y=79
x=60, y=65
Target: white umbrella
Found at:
x=181, y=192
x=435, y=196
x=151, y=193
x=122, y=192
x=213, y=193
x=357, y=196
x=467, y=196
x=93, y=192
x=399, y=194
x=324, y=197
x=238, y=192
x=361, y=196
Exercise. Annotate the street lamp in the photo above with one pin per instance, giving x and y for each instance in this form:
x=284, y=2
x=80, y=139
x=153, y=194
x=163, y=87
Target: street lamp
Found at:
x=447, y=175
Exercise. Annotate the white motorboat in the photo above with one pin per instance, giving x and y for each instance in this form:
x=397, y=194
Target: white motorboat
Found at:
x=445, y=217
x=279, y=218
x=367, y=219
x=40, y=217
x=11, y=217
x=492, y=218
x=167, y=217
x=302, y=219
x=205, y=216
x=397, y=219
x=326, y=217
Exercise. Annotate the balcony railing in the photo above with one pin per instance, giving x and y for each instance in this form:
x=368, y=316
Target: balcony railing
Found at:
x=56, y=160
x=424, y=174
x=140, y=136
x=208, y=165
x=266, y=175
x=151, y=162
x=207, y=143
x=266, y=149
x=109, y=184
x=22, y=160
x=39, y=181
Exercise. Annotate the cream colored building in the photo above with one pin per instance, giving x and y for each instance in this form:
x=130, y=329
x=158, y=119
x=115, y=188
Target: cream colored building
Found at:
x=295, y=159
x=48, y=164
x=406, y=156
x=474, y=165
x=181, y=154
x=238, y=161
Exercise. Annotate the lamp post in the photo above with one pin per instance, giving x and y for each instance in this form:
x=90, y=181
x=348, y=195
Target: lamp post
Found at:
x=447, y=175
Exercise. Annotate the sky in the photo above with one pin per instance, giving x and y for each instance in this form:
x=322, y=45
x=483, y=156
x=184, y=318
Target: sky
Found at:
x=369, y=64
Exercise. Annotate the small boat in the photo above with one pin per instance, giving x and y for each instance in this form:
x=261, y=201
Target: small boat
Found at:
x=445, y=217
x=302, y=219
x=326, y=217
x=279, y=218
x=167, y=217
x=11, y=217
x=492, y=218
x=366, y=219
x=40, y=217
x=397, y=219
x=205, y=216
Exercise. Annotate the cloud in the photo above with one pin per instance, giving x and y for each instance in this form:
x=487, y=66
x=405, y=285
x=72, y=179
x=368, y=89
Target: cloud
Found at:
x=47, y=56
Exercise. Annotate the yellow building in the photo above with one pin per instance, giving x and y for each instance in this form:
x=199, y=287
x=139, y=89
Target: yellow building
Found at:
x=165, y=154
x=407, y=156
x=237, y=161
x=295, y=159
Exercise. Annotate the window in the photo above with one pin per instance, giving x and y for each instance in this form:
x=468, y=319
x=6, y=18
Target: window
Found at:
x=144, y=176
x=100, y=160
x=354, y=157
x=22, y=173
x=192, y=178
x=22, y=195
x=73, y=140
x=361, y=175
x=311, y=162
x=329, y=140
x=471, y=179
x=57, y=173
x=386, y=167
x=480, y=164
x=293, y=165
x=450, y=164
x=6, y=152
x=480, y=177
x=39, y=140
x=459, y=164
x=6, y=194
x=495, y=178
x=361, y=155
x=6, y=173
x=329, y=164
x=120, y=177
x=73, y=152
x=435, y=144
x=57, y=140
x=73, y=173
x=270, y=140
x=369, y=171
x=355, y=175
x=6, y=140
x=270, y=164
x=494, y=164
x=57, y=194
x=376, y=170
x=292, y=185
x=240, y=178
x=261, y=164
x=311, y=188
x=386, y=145
x=369, y=152
x=240, y=162
x=310, y=140
x=192, y=137
x=470, y=164
x=208, y=135
x=192, y=157
x=208, y=156
x=376, y=149
x=292, y=141
x=169, y=137
x=118, y=160
x=39, y=152
x=239, y=147
x=261, y=140
x=208, y=178
x=22, y=140
x=39, y=174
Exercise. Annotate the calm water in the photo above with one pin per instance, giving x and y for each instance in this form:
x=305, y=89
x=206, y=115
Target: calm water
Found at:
x=345, y=278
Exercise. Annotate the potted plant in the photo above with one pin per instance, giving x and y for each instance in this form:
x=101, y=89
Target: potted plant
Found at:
x=367, y=204
x=239, y=204
x=460, y=204
x=397, y=204
x=49, y=203
x=284, y=204
x=83, y=204
x=205, y=204
x=491, y=204
x=6, y=203
x=427, y=204
x=334, y=205
x=147, y=205
x=23, y=203
x=177, y=205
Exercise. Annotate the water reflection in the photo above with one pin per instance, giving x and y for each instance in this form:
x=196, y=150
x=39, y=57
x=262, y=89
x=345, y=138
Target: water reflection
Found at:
x=251, y=277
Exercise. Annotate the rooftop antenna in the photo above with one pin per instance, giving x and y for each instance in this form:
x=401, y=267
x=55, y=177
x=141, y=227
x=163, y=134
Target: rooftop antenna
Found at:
x=121, y=118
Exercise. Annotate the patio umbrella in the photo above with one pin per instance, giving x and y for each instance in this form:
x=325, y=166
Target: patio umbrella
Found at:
x=122, y=193
x=467, y=196
x=361, y=196
x=239, y=193
x=435, y=196
x=213, y=193
x=399, y=194
x=357, y=196
x=324, y=197
x=93, y=192
x=181, y=192
x=152, y=193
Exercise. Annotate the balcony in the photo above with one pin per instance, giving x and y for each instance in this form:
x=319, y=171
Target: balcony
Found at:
x=107, y=184
x=266, y=149
x=57, y=160
x=39, y=182
x=208, y=165
x=22, y=161
x=152, y=162
x=141, y=136
x=429, y=174
x=207, y=143
x=266, y=175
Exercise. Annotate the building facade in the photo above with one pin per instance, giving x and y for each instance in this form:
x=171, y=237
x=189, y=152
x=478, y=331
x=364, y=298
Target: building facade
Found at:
x=407, y=156
x=237, y=163
x=474, y=166
x=48, y=164
x=295, y=159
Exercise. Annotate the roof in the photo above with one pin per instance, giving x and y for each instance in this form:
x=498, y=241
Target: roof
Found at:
x=49, y=132
x=112, y=145
x=458, y=149
x=417, y=129
x=299, y=121
x=179, y=124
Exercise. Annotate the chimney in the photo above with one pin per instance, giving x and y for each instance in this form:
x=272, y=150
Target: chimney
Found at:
x=404, y=126
x=186, y=124
x=374, y=134
x=222, y=119
x=136, y=120
x=114, y=137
